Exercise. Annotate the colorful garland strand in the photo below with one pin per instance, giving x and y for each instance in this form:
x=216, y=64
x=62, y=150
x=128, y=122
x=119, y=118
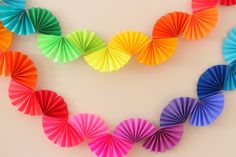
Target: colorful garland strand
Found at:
x=69, y=132
x=117, y=53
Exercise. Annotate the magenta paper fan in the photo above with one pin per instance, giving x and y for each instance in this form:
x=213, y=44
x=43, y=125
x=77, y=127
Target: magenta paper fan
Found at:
x=23, y=98
x=177, y=111
x=89, y=125
x=61, y=132
x=110, y=146
x=164, y=138
x=134, y=129
x=198, y=5
x=51, y=104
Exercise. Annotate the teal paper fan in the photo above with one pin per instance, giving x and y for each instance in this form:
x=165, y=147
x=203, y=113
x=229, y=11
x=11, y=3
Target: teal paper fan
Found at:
x=16, y=20
x=230, y=80
x=15, y=3
x=44, y=21
x=229, y=46
x=58, y=48
x=86, y=41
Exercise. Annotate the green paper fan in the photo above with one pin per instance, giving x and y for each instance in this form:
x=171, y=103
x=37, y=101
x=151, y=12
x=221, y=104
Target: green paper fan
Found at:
x=86, y=41
x=58, y=48
x=44, y=21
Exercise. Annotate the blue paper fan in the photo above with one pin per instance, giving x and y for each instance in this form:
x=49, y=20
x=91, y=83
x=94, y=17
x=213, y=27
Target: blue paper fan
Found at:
x=230, y=80
x=16, y=20
x=211, y=81
x=177, y=111
x=15, y=3
x=207, y=110
x=229, y=46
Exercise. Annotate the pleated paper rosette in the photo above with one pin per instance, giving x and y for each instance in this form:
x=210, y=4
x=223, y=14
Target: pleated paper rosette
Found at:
x=5, y=38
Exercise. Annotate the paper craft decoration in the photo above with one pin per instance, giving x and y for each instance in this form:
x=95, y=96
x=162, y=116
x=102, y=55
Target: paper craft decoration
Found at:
x=66, y=131
x=228, y=2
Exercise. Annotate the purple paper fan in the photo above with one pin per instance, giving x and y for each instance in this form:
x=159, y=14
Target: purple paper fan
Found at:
x=177, y=111
x=164, y=138
x=134, y=130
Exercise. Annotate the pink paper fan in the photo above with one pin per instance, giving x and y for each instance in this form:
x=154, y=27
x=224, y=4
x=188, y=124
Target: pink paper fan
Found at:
x=228, y=2
x=198, y=5
x=134, y=130
x=51, y=104
x=61, y=132
x=23, y=98
x=89, y=125
x=110, y=146
x=164, y=138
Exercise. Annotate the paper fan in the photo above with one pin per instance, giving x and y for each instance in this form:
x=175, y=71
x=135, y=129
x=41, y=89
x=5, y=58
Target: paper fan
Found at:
x=130, y=42
x=164, y=139
x=110, y=146
x=58, y=48
x=107, y=59
x=169, y=25
x=44, y=21
x=15, y=3
x=89, y=126
x=22, y=69
x=5, y=38
x=86, y=41
x=228, y=2
x=177, y=111
x=4, y=68
x=230, y=79
x=229, y=46
x=16, y=20
x=157, y=51
x=61, y=132
x=200, y=24
x=51, y=104
x=134, y=130
x=198, y=5
x=207, y=110
x=23, y=98
x=211, y=81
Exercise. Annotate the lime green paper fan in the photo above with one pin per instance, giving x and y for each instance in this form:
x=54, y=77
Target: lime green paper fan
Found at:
x=44, y=21
x=58, y=48
x=107, y=59
x=86, y=41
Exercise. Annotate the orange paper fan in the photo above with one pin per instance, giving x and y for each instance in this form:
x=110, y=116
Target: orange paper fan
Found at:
x=157, y=51
x=4, y=69
x=22, y=69
x=5, y=38
x=200, y=24
x=170, y=25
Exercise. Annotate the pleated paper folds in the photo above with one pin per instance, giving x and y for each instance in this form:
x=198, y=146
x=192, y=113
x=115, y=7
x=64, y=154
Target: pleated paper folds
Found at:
x=5, y=38
x=198, y=5
x=134, y=130
x=228, y=2
x=15, y=3
x=229, y=46
x=230, y=80
x=177, y=111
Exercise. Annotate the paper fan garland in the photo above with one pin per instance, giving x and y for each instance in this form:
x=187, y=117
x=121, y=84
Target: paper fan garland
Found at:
x=107, y=59
x=177, y=111
x=170, y=25
x=44, y=21
x=134, y=130
x=164, y=138
x=58, y=48
x=86, y=41
x=211, y=81
x=61, y=132
x=5, y=38
x=157, y=51
x=89, y=126
x=110, y=146
x=229, y=46
x=207, y=110
x=230, y=80
x=16, y=20
x=200, y=24
x=130, y=42
x=228, y=2
x=198, y=5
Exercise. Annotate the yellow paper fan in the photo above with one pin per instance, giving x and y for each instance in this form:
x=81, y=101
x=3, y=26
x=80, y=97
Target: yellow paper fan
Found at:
x=107, y=59
x=157, y=51
x=130, y=42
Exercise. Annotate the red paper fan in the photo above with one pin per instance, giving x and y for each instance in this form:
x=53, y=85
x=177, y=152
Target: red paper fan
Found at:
x=170, y=25
x=23, y=98
x=227, y=2
x=51, y=104
x=4, y=69
x=200, y=24
x=198, y=5
x=61, y=132
x=22, y=69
